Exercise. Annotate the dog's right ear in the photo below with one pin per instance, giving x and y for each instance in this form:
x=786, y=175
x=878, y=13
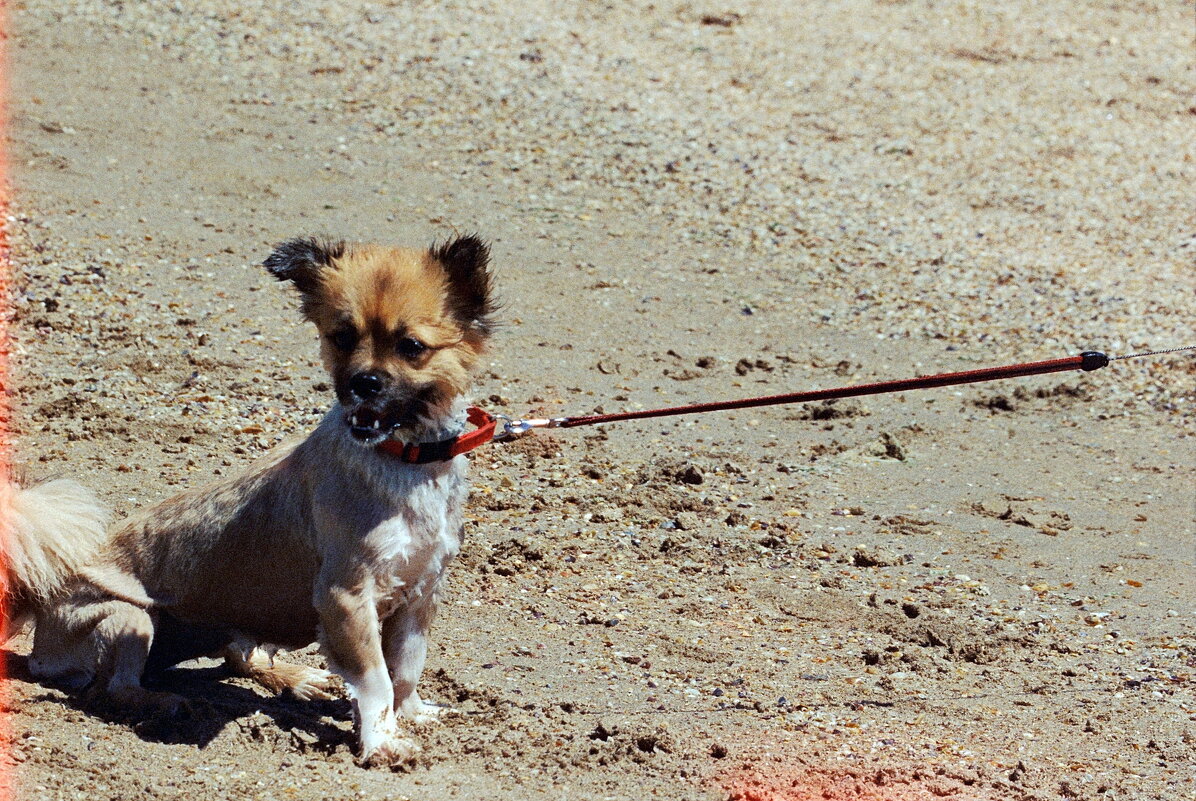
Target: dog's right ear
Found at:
x=301, y=260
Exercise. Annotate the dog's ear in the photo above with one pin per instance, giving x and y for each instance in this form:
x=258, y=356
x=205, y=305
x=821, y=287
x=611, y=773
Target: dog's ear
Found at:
x=301, y=260
x=466, y=260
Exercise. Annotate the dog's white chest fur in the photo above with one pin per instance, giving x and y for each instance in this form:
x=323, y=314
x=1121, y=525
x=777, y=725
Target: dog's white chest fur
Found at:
x=411, y=547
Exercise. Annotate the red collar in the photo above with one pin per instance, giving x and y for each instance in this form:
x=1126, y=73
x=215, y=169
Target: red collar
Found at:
x=445, y=449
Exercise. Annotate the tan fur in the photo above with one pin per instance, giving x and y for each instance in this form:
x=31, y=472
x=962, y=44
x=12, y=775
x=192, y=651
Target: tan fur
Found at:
x=326, y=538
x=382, y=292
x=253, y=662
x=47, y=532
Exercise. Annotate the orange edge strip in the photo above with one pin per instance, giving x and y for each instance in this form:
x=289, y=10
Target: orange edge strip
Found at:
x=7, y=772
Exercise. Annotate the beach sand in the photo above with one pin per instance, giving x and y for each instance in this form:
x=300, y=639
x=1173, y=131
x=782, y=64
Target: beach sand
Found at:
x=982, y=592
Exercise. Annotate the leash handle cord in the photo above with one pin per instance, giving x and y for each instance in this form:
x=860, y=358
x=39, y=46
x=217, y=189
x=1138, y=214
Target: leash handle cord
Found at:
x=1088, y=361
x=496, y=428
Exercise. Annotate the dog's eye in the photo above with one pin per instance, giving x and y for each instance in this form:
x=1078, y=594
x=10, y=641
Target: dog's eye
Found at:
x=344, y=340
x=410, y=347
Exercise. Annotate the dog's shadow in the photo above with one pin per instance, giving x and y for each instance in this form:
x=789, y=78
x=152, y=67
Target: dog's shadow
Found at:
x=212, y=705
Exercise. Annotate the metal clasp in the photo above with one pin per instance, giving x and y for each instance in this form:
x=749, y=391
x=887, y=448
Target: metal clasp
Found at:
x=514, y=429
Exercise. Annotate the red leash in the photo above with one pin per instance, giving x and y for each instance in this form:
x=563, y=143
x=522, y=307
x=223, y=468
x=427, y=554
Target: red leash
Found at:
x=1092, y=360
x=489, y=428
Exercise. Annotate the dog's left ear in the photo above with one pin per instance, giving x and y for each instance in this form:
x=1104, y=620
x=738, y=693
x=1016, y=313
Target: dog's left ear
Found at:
x=466, y=260
x=301, y=260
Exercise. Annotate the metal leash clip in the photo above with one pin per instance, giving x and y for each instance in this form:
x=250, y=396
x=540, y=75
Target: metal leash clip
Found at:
x=514, y=429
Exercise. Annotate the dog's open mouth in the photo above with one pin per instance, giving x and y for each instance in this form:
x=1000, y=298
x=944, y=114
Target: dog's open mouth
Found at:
x=371, y=426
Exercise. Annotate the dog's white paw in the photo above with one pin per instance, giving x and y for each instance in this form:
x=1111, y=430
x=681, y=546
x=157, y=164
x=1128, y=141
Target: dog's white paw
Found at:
x=394, y=751
x=70, y=679
x=382, y=743
x=419, y=711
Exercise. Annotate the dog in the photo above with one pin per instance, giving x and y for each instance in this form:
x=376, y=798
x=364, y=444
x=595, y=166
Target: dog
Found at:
x=47, y=533
x=332, y=539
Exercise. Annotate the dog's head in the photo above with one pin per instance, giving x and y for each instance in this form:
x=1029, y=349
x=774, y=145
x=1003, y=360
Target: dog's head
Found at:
x=400, y=328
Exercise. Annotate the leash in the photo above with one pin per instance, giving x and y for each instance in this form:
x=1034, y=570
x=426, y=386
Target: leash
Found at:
x=499, y=428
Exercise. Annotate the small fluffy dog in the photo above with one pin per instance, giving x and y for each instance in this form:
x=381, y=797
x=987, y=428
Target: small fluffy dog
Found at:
x=334, y=538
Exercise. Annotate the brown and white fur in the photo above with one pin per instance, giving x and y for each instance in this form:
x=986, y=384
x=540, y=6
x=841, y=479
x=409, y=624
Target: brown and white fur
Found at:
x=328, y=539
x=47, y=533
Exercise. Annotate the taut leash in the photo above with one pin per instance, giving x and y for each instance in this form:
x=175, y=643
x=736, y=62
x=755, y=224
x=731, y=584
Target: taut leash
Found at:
x=497, y=428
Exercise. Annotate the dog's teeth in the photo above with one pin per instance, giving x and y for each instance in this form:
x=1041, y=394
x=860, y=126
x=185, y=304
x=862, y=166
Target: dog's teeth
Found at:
x=377, y=424
x=353, y=420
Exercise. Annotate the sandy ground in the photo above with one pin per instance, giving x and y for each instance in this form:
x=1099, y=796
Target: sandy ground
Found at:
x=982, y=593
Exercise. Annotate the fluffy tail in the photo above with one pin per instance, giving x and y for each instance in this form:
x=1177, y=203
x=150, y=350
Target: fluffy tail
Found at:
x=47, y=533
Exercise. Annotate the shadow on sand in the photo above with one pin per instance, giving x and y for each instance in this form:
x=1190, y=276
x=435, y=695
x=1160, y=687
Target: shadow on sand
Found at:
x=213, y=703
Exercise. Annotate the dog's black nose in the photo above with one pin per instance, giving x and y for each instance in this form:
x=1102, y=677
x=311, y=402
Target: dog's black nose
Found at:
x=365, y=385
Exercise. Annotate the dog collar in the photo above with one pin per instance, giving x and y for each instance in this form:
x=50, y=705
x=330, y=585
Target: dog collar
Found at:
x=445, y=449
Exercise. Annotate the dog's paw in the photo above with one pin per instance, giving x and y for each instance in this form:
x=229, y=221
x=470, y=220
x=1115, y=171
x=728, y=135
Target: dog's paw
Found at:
x=421, y=712
x=305, y=683
x=71, y=681
x=314, y=685
x=393, y=752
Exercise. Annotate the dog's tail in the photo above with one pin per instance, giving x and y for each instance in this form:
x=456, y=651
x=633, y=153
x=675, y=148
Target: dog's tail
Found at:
x=47, y=533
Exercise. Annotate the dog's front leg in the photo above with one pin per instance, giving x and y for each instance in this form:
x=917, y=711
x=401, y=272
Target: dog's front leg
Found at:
x=405, y=637
x=352, y=641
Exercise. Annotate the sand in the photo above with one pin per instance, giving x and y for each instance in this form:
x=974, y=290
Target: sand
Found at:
x=975, y=593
